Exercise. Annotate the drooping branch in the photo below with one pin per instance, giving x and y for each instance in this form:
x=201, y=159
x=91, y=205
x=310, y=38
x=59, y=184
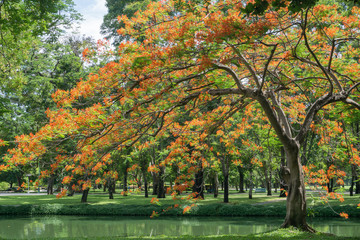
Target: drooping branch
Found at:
x=352, y=102
x=316, y=107
x=229, y=114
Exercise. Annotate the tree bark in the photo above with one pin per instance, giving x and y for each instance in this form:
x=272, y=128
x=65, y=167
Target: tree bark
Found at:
x=50, y=185
x=351, y=189
x=267, y=179
x=268, y=187
x=296, y=199
x=357, y=184
x=216, y=185
x=226, y=188
x=330, y=185
x=145, y=184
x=105, y=187
x=198, y=187
x=111, y=188
x=125, y=186
x=241, y=179
x=283, y=187
x=161, y=183
x=225, y=167
x=250, y=184
x=85, y=195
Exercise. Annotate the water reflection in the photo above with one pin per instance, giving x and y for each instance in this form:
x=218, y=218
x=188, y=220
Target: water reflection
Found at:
x=76, y=226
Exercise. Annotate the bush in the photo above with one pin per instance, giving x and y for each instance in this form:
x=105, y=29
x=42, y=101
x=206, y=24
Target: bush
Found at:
x=4, y=186
x=168, y=210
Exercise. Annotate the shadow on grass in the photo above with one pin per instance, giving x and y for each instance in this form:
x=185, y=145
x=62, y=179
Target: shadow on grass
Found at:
x=279, y=234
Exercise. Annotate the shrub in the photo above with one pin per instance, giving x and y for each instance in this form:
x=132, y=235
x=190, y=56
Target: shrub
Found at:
x=168, y=210
x=4, y=186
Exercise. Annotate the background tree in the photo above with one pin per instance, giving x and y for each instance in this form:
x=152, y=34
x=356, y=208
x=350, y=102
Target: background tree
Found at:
x=288, y=63
x=117, y=8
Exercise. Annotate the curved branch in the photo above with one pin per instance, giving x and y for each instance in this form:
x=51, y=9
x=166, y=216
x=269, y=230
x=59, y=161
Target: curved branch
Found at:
x=318, y=64
x=282, y=117
x=232, y=73
x=267, y=65
x=352, y=102
x=247, y=65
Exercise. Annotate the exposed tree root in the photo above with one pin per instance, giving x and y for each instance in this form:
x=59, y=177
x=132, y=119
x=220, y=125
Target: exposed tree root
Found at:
x=303, y=227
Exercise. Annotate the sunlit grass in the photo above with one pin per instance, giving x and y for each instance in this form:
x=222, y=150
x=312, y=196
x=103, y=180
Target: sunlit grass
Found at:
x=139, y=199
x=280, y=234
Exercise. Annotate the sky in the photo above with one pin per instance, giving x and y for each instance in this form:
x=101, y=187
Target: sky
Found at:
x=93, y=12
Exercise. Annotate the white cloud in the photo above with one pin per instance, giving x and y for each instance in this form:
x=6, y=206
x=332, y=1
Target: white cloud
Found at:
x=93, y=12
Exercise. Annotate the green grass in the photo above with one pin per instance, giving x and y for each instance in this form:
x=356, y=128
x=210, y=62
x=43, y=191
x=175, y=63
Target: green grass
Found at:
x=280, y=234
x=240, y=205
x=139, y=199
x=136, y=204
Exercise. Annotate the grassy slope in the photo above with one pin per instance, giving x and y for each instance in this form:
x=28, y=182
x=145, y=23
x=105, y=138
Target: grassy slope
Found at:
x=136, y=204
x=138, y=199
x=280, y=234
x=98, y=199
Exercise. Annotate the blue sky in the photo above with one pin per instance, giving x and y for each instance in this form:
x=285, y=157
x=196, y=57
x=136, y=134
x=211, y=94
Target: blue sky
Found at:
x=93, y=12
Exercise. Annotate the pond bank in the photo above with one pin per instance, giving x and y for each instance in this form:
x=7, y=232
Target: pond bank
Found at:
x=219, y=209
x=111, y=227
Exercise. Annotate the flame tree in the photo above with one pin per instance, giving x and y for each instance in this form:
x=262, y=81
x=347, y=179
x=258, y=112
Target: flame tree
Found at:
x=184, y=55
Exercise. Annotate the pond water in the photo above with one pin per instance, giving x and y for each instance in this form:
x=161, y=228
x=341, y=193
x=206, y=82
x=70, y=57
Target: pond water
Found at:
x=89, y=226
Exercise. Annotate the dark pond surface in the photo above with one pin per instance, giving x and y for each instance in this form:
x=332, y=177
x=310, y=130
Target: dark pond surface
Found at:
x=86, y=226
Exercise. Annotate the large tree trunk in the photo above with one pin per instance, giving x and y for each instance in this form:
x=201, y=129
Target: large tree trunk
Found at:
x=250, y=184
x=198, y=187
x=330, y=185
x=125, y=186
x=357, y=178
x=225, y=167
x=145, y=183
x=241, y=180
x=216, y=185
x=155, y=183
x=296, y=199
x=161, y=183
x=351, y=189
x=50, y=185
x=283, y=187
x=226, y=188
x=111, y=188
x=268, y=187
x=267, y=174
x=357, y=184
x=85, y=195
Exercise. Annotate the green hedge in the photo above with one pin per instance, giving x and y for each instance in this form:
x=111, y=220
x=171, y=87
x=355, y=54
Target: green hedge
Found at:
x=146, y=210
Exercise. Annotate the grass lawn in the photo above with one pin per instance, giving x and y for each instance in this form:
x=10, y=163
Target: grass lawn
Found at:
x=139, y=199
x=280, y=234
x=259, y=201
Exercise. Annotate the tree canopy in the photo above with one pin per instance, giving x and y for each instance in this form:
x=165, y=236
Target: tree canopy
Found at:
x=194, y=68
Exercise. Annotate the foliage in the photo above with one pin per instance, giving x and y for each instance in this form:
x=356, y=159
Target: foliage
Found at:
x=117, y=8
x=138, y=206
x=21, y=24
x=188, y=69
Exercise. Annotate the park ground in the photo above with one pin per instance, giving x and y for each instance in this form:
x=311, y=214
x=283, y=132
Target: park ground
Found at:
x=135, y=203
x=280, y=234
